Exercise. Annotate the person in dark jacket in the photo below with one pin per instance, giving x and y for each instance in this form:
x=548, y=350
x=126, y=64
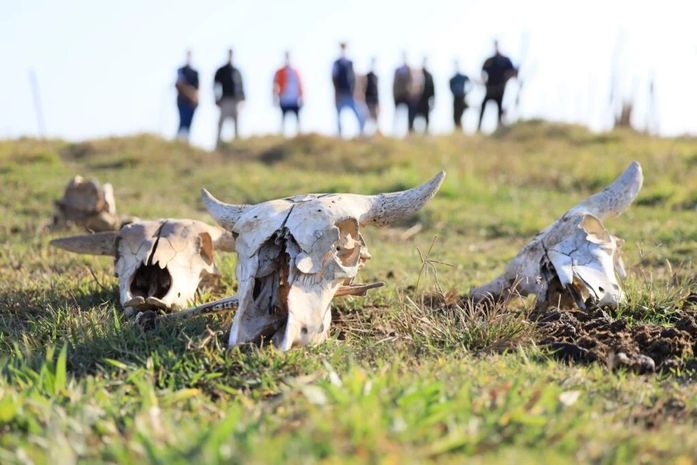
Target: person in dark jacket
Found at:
x=459, y=86
x=496, y=72
x=344, y=80
x=187, y=96
x=229, y=92
x=401, y=88
x=372, y=98
x=422, y=99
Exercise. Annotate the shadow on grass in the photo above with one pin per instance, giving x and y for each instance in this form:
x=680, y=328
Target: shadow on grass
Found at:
x=190, y=353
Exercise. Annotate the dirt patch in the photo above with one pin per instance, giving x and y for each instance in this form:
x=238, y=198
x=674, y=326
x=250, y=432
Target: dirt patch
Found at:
x=594, y=336
x=590, y=336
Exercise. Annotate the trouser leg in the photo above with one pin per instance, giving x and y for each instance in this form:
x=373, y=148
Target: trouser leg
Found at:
x=339, y=106
x=360, y=114
x=458, y=111
x=411, y=109
x=499, y=106
x=481, y=112
x=221, y=121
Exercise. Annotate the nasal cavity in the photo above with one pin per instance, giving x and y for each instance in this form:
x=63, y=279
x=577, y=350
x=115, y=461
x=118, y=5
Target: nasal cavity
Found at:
x=151, y=281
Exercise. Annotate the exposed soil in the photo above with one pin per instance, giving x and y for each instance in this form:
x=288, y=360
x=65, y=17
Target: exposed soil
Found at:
x=594, y=336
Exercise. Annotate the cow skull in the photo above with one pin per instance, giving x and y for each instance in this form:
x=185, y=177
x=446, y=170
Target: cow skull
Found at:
x=296, y=254
x=160, y=264
x=575, y=259
x=89, y=204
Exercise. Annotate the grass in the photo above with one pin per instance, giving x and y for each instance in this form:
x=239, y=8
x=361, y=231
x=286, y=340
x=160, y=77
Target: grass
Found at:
x=411, y=374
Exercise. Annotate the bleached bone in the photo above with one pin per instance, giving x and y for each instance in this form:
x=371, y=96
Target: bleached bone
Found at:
x=575, y=259
x=296, y=254
x=160, y=264
x=89, y=204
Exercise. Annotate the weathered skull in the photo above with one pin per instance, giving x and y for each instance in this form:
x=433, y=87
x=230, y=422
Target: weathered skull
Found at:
x=295, y=254
x=160, y=264
x=89, y=204
x=575, y=259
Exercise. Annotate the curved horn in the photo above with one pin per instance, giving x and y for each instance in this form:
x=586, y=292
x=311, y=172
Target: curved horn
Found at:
x=387, y=208
x=616, y=197
x=102, y=243
x=225, y=214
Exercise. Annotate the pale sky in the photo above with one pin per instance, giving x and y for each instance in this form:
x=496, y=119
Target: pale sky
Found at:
x=109, y=68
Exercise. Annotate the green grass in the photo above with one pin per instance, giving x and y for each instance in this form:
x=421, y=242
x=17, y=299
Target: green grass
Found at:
x=401, y=380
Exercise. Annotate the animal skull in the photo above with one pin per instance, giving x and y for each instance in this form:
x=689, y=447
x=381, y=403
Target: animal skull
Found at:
x=160, y=264
x=295, y=254
x=87, y=203
x=575, y=259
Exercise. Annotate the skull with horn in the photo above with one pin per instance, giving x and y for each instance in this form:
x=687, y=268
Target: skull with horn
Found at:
x=160, y=264
x=574, y=260
x=296, y=254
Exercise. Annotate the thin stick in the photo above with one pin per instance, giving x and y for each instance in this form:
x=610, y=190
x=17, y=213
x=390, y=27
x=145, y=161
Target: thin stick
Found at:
x=218, y=306
x=40, y=123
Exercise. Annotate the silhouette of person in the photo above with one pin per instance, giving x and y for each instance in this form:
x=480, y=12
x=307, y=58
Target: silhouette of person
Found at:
x=229, y=92
x=344, y=80
x=372, y=97
x=459, y=86
x=496, y=72
x=422, y=96
x=288, y=92
x=187, y=96
x=401, y=88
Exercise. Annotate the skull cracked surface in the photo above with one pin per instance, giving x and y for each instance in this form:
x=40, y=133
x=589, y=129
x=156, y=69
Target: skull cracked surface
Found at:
x=296, y=254
x=575, y=260
x=160, y=264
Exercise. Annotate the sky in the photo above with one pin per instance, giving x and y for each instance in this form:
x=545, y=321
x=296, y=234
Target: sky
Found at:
x=108, y=68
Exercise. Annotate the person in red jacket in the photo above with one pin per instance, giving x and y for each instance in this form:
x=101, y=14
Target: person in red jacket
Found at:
x=288, y=92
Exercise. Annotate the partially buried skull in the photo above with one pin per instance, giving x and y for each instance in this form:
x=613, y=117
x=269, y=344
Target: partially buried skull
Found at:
x=296, y=254
x=160, y=264
x=89, y=204
x=574, y=261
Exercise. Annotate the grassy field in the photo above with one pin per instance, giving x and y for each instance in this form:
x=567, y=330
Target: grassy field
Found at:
x=406, y=377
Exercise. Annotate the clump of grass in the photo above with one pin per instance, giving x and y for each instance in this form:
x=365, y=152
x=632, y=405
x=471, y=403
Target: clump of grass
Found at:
x=653, y=298
x=446, y=322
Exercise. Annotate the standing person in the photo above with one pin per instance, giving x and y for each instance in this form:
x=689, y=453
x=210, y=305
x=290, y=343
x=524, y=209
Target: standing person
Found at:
x=424, y=103
x=229, y=92
x=187, y=96
x=344, y=80
x=372, y=99
x=459, y=86
x=401, y=87
x=288, y=92
x=496, y=72
x=416, y=90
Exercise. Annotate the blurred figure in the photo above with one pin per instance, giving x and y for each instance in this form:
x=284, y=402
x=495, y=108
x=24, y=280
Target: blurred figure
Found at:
x=459, y=86
x=401, y=87
x=288, y=92
x=496, y=72
x=372, y=99
x=229, y=92
x=344, y=80
x=422, y=97
x=187, y=96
